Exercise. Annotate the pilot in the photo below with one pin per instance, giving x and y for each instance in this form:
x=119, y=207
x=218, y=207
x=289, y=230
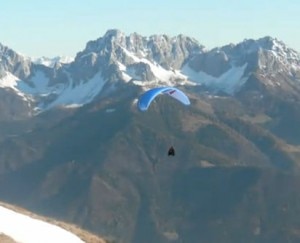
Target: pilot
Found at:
x=171, y=151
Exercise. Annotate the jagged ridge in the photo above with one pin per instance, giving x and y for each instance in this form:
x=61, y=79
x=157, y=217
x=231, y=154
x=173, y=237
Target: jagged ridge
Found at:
x=116, y=59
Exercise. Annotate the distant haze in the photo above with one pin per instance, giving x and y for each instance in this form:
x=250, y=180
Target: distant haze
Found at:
x=51, y=28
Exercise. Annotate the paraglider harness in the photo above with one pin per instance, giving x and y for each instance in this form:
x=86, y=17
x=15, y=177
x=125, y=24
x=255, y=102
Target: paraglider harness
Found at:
x=171, y=151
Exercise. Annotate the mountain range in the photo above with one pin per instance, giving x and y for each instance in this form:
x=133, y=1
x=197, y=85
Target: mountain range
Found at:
x=73, y=145
x=115, y=59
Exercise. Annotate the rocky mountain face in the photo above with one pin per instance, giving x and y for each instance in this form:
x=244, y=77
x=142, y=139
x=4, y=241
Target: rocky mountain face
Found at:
x=73, y=145
x=115, y=59
x=14, y=63
x=103, y=65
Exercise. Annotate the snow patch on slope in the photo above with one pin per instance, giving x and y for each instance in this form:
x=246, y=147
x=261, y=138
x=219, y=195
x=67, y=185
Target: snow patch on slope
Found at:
x=68, y=94
x=162, y=76
x=25, y=229
x=39, y=85
x=228, y=82
x=10, y=81
x=75, y=96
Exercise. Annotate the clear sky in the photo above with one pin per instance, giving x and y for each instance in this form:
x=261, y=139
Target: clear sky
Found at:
x=63, y=27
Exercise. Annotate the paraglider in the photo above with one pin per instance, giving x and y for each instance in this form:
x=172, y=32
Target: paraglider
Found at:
x=146, y=99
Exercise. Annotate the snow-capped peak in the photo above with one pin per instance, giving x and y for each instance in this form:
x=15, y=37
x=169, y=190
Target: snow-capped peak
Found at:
x=266, y=43
x=51, y=62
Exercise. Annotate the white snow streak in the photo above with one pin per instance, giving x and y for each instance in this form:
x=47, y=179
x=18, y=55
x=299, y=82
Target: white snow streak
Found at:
x=228, y=82
x=68, y=95
x=12, y=82
x=25, y=229
x=80, y=94
x=39, y=85
x=161, y=74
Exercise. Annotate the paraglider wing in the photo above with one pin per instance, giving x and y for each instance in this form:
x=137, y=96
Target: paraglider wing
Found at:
x=147, y=97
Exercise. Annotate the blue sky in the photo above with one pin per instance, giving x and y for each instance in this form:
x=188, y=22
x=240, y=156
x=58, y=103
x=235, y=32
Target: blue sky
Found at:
x=63, y=27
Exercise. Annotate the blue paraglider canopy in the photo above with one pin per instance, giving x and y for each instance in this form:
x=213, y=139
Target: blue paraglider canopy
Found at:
x=147, y=97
